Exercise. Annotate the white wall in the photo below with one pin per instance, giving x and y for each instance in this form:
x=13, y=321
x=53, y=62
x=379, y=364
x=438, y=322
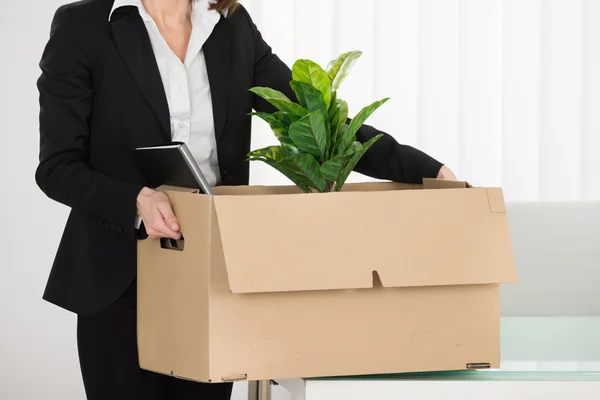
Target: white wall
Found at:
x=519, y=73
x=37, y=341
x=505, y=92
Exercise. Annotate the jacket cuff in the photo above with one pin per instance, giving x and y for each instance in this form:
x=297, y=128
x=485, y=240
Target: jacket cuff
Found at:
x=419, y=165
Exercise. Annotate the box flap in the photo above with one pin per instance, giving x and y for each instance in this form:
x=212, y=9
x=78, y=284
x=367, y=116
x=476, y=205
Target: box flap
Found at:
x=168, y=188
x=429, y=183
x=255, y=190
x=350, y=240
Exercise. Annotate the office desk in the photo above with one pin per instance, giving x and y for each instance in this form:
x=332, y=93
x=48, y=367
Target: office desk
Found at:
x=470, y=385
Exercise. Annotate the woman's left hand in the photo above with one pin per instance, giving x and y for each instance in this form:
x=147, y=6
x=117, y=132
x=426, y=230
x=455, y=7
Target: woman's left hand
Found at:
x=446, y=174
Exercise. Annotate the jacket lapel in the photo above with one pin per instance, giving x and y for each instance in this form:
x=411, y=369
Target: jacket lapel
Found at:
x=218, y=53
x=133, y=43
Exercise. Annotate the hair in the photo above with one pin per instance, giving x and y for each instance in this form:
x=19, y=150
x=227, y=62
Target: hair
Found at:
x=224, y=5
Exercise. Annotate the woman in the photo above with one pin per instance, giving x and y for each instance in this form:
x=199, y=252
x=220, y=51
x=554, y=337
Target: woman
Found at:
x=119, y=74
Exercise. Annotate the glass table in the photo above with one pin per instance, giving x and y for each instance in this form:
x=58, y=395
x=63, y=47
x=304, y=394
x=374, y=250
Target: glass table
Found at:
x=547, y=358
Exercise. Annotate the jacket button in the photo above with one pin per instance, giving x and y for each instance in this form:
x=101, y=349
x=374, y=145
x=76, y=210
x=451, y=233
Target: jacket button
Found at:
x=226, y=175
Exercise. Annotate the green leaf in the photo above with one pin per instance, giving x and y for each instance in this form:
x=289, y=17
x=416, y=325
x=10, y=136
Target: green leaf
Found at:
x=279, y=121
x=350, y=134
x=275, y=157
x=274, y=153
x=334, y=113
x=288, y=144
x=338, y=69
x=311, y=73
x=302, y=169
x=332, y=169
x=335, y=151
x=280, y=124
x=309, y=134
x=292, y=173
x=312, y=99
x=342, y=117
x=354, y=159
x=279, y=101
x=343, y=114
x=333, y=105
x=309, y=97
x=310, y=168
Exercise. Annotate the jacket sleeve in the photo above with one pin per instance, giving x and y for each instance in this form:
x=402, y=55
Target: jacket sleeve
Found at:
x=65, y=97
x=386, y=159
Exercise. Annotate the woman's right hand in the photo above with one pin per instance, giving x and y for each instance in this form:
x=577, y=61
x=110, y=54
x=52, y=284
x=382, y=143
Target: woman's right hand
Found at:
x=155, y=209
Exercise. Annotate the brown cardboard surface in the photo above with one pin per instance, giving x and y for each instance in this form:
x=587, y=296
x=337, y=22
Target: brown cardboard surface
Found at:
x=173, y=290
x=333, y=333
x=365, y=232
x=429, y=183
x=387, y=279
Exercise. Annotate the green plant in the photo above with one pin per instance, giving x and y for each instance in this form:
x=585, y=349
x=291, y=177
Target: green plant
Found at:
x=318, y=147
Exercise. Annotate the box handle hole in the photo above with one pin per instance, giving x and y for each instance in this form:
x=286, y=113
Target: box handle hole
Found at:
x=172, y=244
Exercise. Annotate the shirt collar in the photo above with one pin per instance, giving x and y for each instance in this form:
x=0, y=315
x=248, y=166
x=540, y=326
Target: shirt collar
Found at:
x=134, y=3
x=199, y=9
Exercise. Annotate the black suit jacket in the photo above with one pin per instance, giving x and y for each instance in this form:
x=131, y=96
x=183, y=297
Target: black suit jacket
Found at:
x=101, y=96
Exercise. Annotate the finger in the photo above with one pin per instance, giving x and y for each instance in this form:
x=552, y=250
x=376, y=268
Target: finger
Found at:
x=159, y=226
x=163, y=230
x=168, y=216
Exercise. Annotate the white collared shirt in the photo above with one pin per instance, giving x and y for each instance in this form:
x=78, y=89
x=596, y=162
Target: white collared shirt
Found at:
x=186, y=85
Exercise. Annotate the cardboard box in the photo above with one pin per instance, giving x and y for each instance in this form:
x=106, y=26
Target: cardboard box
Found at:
x=271, y=283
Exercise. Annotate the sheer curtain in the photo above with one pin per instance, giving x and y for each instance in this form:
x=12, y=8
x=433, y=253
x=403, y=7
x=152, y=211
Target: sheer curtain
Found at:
x=505, y=92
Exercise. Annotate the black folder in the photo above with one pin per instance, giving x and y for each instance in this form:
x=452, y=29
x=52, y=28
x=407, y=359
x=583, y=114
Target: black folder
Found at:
x=171, y=164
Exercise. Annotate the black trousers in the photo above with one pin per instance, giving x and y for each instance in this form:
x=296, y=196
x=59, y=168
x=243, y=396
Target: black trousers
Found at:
x=109, y=361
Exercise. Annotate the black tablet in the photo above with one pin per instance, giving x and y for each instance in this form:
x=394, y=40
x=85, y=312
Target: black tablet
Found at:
x=171, y=164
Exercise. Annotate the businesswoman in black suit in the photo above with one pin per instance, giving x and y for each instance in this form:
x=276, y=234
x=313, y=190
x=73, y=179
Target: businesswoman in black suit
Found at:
x=119, y=74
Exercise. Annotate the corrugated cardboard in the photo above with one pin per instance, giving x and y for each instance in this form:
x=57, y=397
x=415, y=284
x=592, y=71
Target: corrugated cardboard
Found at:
x=272, y=283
